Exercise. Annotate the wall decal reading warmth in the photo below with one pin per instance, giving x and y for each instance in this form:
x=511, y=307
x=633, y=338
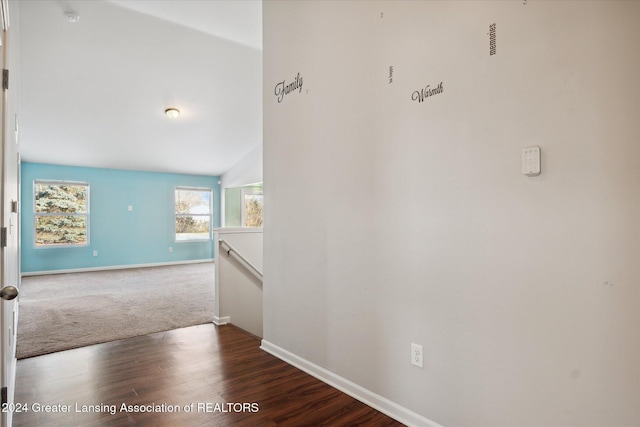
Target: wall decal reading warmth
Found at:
x=283, y=88
x=422, y=94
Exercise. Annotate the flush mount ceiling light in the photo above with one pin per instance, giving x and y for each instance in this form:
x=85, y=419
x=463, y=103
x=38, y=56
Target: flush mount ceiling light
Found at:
x=72, y=16
x=172, y=113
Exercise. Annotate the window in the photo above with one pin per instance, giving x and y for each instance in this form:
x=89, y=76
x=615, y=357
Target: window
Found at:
x=193, y=214
x=61, y=211
x=252, y=207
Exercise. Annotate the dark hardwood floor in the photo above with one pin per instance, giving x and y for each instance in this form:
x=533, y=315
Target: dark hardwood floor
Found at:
x=208, y=376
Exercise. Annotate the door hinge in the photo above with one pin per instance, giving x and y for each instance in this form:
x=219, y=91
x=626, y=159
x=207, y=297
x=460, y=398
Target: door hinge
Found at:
x=5, y=79
x=4, y=396
x=3, y=237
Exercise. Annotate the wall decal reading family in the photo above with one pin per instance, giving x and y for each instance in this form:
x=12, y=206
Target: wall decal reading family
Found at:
x=420, y=95
x=283, y=89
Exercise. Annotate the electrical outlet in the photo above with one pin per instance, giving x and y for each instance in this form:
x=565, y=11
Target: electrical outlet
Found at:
x=170, y=248
x=95, y=253
x=416, y=355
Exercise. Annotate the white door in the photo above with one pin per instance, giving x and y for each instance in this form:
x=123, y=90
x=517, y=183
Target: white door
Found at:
x=9, y=242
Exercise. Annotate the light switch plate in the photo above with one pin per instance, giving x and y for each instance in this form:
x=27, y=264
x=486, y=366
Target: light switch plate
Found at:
x=531, y=161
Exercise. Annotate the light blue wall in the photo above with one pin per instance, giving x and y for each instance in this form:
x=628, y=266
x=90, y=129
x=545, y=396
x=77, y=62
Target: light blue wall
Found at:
x=121, y=237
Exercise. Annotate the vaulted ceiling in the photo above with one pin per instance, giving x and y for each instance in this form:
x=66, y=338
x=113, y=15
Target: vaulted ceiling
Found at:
x=93, y=92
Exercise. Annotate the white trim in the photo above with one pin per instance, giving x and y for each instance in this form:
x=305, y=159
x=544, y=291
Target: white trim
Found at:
x=115, y=267
x=367, y=397
x=237, y=230
x=221, y=321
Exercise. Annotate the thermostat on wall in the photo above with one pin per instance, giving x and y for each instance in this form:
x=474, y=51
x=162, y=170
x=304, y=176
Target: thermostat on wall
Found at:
x=531, y=161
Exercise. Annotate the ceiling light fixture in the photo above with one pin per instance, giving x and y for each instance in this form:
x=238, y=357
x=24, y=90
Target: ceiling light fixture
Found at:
x=172, y=113
x=72, y=16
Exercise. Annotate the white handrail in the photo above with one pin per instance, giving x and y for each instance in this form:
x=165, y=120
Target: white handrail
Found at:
x=231, y=251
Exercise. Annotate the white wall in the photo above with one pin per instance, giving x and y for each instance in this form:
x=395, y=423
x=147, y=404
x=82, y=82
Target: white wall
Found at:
x=238, y=291
x=390, y=221
x=247, y=171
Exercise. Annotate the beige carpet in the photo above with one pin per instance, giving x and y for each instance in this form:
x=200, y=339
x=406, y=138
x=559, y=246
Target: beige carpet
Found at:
x=63, y=311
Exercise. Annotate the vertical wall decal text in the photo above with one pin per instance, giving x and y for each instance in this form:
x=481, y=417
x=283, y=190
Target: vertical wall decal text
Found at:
x=492, y=39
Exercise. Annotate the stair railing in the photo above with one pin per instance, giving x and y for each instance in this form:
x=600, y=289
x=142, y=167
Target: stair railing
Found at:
x=232, y=252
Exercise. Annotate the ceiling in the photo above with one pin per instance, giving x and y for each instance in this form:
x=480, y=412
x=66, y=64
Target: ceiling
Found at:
x=93, y=92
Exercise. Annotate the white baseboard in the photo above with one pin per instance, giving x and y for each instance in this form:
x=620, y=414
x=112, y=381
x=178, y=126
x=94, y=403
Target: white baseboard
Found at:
x=365, y=396
x=221, y=321
x=116, y=267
